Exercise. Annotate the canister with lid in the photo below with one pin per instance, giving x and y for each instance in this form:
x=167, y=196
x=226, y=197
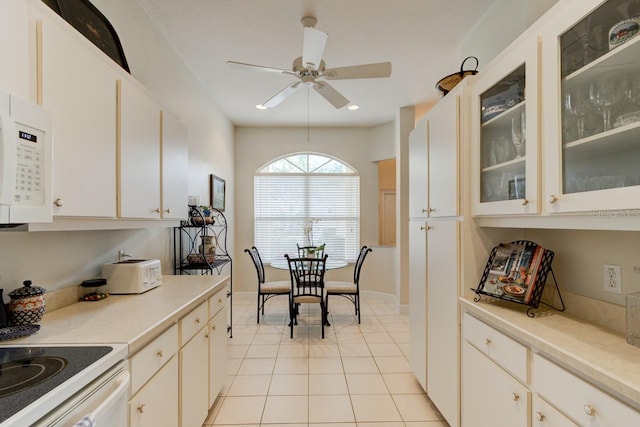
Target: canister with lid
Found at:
x=27, y=304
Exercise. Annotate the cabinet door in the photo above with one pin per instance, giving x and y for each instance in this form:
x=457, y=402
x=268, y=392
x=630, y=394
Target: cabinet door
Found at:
x=490, y=396
x=217, y=354
x=592, y=118
x=418, y=166
x=79, y=87
x=174, y=167
x=443, y=169
x=504, y=132
x=15, y=74
x=418, y=300
x=138, y=153
x=442, y=317
x=156, y=404
x=194, y=380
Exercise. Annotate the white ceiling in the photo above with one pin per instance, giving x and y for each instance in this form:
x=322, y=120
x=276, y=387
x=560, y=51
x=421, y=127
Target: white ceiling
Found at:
x=419, y=37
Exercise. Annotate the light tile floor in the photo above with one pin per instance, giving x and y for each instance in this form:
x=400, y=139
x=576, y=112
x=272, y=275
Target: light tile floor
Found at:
x=357, y=376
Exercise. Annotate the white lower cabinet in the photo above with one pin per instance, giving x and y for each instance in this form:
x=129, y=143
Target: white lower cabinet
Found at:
x=156, y=404
x=581, y=401
x=194, y=385
x=490, y=396
x=217, y=345
x=505, y=384
x=418, y=300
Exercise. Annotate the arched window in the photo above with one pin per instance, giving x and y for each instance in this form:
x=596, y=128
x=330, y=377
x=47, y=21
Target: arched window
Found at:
x=307, y=199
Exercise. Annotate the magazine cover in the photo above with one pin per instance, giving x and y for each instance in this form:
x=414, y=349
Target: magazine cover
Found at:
x=512, y=271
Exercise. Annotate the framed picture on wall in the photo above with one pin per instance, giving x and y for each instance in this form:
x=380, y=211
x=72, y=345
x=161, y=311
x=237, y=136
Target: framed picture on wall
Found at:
x=217, y=192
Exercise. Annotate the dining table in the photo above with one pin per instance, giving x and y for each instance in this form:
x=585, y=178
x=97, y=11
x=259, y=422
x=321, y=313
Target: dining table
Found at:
x=331, y=264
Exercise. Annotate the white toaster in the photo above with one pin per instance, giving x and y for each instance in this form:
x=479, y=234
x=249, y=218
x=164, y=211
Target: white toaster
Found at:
x=132, y=276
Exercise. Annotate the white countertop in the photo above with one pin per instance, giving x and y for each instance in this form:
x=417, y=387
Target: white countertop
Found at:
x=594, y=353
x=129, y=319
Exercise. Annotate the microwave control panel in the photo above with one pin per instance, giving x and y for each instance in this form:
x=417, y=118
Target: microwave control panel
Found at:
x=29, y=166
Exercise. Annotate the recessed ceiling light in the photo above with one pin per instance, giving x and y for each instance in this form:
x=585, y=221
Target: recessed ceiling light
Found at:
x=353, y=107
x=261, y=107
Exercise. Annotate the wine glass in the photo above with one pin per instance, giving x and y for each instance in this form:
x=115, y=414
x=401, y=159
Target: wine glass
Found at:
x=603, y=93
x=576, y=103
x=518, y=133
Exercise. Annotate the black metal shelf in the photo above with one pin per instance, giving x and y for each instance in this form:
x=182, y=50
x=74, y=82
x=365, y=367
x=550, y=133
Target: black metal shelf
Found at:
x=189, y=249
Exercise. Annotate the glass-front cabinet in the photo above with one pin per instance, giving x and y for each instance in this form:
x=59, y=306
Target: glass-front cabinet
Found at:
x=504, y=132
x=591, y=114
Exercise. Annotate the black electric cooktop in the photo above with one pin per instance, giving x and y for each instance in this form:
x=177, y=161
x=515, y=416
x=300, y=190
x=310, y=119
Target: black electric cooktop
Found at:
x=28, y=373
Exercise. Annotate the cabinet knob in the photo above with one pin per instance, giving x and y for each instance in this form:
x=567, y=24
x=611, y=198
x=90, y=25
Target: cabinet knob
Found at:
x=540, y=416
x=206, y=336
x=219, y=300
x=516, y=397
x=525, y=202
x=58, y=202
x=422, y=228
x=159, y=353
x=157, y=210
x=213, y=327
x=488, y=341
x=140, y=407
x=424, y=211
x=552, y=199
x=589, y=410
x=197, y=320
x=167, y=210
x=431, y=210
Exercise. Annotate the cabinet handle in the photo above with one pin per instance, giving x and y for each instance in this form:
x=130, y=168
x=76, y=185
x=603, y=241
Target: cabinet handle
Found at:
x=213, y=327
x=167, y=210
x=487, y=341
x=206, y=336
x=424, y=211
x=219, y=300
x=159, y=353
x=525, y=202
x=140, y=407
x=422, y=228
x=540, y=416
x=58, y=202
x=516, y=397
x=431, y=210
x=552, y=199
x=589, y=410
x=197, y=320
x=157, y=210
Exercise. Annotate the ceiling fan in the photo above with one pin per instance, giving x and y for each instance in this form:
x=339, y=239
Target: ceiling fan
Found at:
x=311, y=71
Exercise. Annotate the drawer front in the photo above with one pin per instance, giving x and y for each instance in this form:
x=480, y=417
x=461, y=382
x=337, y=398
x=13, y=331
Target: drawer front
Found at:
x=146, y=362
x=545, y=415
x=157, y=402
x=193, y=322
x=581, y=401
x=217, y=302
x=506, y=352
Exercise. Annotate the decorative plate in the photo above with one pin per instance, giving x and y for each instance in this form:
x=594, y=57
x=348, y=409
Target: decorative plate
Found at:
x=623, y=31
x=513, y=290
x=13, y=332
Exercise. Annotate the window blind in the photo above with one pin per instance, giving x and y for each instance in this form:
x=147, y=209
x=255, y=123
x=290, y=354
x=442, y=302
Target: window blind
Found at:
x=307, y=209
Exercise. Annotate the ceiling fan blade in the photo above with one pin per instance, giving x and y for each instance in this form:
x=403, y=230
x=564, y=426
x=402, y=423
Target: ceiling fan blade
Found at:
x=365, y=71
x=330, y=94
x=313, y=47
x=260, y=68
x=282, y=95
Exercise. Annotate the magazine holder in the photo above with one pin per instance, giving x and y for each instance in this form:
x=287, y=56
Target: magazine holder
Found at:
x=504, y=279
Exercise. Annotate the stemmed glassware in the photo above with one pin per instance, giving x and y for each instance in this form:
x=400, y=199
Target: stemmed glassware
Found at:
x=518, y=133
x=576, y=103
x=603, y=93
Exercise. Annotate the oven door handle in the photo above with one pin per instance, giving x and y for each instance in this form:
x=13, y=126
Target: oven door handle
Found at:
x=123, y=382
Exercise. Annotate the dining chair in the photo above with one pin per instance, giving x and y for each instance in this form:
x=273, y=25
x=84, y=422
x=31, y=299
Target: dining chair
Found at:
x=266, y=290
x=307, y=286
x=349, y=290
x=310, y=251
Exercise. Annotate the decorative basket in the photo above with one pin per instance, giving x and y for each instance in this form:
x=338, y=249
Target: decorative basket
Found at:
x=200, y=259
x=446, y=84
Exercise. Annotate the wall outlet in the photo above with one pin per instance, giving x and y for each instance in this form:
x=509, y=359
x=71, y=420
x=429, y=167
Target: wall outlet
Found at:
x=612, y=278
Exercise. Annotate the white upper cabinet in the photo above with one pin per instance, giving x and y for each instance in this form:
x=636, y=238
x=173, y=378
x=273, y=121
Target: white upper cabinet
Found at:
x=174, y=167
x=138, y=153
x=15, y=76
x=78, y=85
x=418, y=167
x=504, y=131
x=591, y=71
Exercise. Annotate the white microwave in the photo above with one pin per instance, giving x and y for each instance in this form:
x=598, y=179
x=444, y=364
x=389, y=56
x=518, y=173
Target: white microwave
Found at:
x=25, y=162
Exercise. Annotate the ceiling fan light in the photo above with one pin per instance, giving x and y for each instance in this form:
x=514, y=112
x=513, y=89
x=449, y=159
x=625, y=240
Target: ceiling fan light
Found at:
x=353, y=107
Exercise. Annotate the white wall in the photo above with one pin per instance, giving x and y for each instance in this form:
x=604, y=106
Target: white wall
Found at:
x=256, y=146
x=57, y=259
